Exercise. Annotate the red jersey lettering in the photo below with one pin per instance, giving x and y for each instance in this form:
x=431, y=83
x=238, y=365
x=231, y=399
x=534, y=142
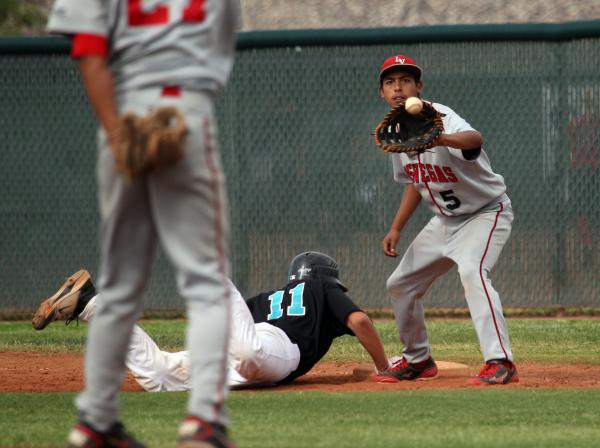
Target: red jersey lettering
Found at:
x=138, y=17
x=193, y=13
x=440, y=175
x=451, y=176
x=424, y=176
x=431, y=172
x=408, y=169
x=421, y=172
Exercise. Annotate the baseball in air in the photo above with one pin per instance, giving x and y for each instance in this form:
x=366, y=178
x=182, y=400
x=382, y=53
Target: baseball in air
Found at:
x=413, y=105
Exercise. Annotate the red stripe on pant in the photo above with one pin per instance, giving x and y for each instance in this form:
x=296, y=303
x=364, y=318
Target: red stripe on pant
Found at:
x=483, y=281
x=217, y=207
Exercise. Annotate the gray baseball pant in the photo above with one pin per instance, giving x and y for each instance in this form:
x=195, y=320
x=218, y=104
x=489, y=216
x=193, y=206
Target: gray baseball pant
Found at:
x=184, y=208
x=473, y=243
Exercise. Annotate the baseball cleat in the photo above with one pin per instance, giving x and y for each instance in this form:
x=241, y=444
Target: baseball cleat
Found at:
x=405, y=371
x=68, y=302
x=197, y=433
x=84, y=435
x=496, y=371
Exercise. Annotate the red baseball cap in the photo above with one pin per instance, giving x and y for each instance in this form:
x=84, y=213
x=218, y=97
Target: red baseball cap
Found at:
x=402, y=62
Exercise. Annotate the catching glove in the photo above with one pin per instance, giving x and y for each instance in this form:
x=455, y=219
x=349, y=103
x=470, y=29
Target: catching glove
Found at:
x=401, y=131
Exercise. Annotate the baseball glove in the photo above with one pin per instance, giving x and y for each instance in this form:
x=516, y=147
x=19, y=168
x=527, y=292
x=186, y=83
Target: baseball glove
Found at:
x=151, y=142
x=401, y=131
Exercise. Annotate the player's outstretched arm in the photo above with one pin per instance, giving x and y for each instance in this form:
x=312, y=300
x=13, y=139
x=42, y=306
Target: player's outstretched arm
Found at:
x=98, y=81
x=362, y=326
x=464, y=140
x=410, y=201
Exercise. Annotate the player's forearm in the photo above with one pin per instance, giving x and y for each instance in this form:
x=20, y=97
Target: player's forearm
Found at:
x=369, y=338
x=462, y=140
x=409, y=203
x=98, y=82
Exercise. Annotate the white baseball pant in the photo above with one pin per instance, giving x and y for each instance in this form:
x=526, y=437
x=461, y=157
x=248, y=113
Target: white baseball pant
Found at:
x=259, y=354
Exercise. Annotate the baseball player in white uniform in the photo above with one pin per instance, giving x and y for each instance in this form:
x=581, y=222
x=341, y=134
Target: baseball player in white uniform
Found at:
x=276, y=336
x=260, y=353
x=135, y=56
x=471, y=223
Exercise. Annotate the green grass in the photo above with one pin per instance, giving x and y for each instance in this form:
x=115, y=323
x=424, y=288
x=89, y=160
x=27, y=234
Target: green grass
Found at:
x=431, y=418
x=57, y=337
x=18, y=17
x=551, y=341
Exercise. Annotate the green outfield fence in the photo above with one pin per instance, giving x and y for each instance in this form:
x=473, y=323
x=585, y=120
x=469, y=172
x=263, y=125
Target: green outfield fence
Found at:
x=303, y=172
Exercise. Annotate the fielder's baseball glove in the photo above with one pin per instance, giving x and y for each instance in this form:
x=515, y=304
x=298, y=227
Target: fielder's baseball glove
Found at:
x=401, y=131
x=150, y=142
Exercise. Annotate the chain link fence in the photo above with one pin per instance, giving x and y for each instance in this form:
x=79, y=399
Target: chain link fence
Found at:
x=303, y=172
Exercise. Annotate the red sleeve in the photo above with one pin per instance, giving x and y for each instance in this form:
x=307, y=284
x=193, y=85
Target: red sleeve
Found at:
x=89, y=45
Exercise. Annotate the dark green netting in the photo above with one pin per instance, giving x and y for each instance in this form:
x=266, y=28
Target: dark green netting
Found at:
x=303, y=173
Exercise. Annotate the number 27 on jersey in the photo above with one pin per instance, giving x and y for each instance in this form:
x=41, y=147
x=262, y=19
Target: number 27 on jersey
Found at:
x=137, y=15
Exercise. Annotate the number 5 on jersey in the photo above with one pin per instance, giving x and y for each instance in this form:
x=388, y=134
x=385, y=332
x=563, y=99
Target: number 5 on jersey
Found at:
x=452, y=202
x=296, y=307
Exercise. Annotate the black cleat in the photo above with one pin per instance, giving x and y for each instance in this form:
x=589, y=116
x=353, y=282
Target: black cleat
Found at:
x=84, y=435
x=197, y=433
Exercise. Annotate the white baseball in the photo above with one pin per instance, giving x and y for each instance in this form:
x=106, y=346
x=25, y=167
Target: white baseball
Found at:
x=413, y=105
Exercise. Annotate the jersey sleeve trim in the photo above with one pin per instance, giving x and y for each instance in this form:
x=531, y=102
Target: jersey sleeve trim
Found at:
x=470, y=155
x=89, y=45
x=454, y=123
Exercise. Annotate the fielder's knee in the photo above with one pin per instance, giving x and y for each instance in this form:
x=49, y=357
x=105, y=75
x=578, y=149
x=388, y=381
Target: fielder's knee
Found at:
x=397, y=288
x=469, y=275
x=391, y=286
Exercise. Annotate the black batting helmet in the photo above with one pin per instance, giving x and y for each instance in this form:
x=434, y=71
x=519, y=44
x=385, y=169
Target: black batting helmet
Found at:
x=314, y=265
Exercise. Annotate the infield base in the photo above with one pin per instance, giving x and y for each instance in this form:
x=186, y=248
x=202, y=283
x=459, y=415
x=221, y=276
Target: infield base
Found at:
x=446, y=369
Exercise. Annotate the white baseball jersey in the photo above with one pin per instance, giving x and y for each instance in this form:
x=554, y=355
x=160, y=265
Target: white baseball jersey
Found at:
x=143, y=52
x=450, y=184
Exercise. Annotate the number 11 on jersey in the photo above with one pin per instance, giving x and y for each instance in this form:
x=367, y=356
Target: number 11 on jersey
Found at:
x=296, y=307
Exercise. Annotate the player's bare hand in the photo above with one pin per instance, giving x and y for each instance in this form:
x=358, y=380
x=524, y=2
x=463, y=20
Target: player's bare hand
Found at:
x=389, y=243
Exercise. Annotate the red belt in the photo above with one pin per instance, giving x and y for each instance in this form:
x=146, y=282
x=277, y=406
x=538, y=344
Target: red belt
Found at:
x=171, y=91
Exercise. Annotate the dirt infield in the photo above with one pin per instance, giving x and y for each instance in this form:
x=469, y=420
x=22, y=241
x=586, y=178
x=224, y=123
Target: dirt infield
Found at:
x=63, y=372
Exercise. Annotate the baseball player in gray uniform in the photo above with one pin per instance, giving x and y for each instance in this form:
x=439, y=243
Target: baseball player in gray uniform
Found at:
x=471, y=223
x=135, y=56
